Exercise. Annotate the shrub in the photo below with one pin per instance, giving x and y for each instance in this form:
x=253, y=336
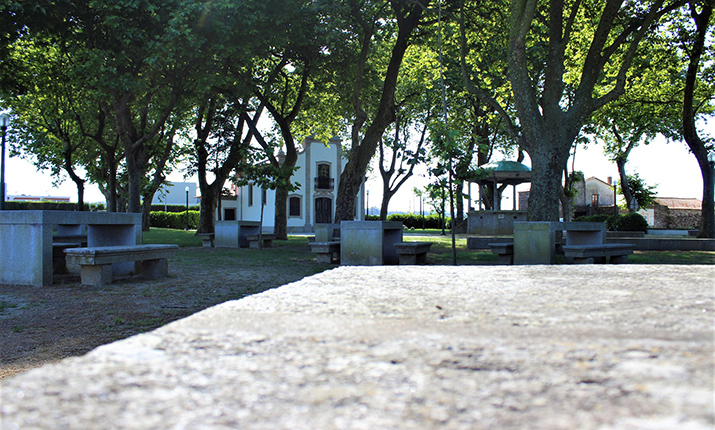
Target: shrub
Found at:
x=608, y=219
x=175, y=220
x=632, y=222
x=173, y=208
x=413, y=221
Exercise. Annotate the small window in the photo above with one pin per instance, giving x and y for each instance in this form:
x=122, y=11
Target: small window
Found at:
x=229, y=214
x=250, y=194
x=294, y=206
x=594, y=200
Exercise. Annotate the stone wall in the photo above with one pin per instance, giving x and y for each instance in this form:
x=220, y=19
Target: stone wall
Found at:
x=665, y=217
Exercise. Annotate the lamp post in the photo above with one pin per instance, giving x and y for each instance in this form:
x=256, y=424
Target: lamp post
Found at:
x=4, y=122
x=367, y=203
x=711, y=160
x=187, y=207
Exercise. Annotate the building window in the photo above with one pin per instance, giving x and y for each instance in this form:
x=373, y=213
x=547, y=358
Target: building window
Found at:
x=250, y=194
x=594, y=200
x=264, y=195
x=323, y=181
x=294, y=206
x=229, y=214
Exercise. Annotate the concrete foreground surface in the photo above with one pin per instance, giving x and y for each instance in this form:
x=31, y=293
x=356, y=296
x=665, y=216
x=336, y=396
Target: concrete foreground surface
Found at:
x=520, y=347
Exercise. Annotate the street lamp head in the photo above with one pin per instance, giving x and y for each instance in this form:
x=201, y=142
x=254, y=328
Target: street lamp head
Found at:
x=4, y=121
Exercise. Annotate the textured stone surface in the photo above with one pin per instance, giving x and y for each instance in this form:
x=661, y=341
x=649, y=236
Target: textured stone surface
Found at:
x=538, y=347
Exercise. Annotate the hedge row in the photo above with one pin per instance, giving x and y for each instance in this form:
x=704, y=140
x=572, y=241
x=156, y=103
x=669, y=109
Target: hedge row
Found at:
x=628, y=222
x=49, y=206
x=415, y=221
x=173, y=208
x=176, y=220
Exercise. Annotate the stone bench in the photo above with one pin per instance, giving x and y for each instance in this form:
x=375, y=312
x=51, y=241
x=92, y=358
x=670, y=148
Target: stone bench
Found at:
x=411, y=253
x=504, y=252
x=326, y=252
x=96, y=262
x=207, y=239
x=597, y=253
x=254, y=239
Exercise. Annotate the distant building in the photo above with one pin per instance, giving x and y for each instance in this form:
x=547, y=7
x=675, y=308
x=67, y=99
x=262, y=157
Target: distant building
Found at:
x=593, y=196
x=317, y=173
x=674, y=213
x=37, y=199
x=174, y=193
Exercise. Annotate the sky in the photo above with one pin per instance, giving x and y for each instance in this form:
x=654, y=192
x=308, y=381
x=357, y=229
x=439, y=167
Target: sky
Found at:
x=669, y=166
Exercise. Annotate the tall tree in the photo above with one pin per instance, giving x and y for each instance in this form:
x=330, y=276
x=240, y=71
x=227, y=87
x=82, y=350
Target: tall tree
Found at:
x=394, y=21
x=702, y=16
x=566, y=60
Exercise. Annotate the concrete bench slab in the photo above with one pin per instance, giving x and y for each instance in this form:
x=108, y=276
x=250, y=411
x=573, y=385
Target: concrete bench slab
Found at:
x=326, y=252
x=207, y=239
x=254, y=239
x=584, y=254
x=411, y=253
x=504, y=252
x=96, y=262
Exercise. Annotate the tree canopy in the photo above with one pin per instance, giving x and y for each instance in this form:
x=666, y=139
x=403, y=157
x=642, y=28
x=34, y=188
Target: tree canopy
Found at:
x=139, y=84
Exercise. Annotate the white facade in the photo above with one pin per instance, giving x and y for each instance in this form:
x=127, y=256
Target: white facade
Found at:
x=174, y=193
x=316, y=178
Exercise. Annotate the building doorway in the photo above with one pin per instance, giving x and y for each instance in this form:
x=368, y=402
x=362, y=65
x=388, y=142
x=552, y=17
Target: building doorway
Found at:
x=323, y=210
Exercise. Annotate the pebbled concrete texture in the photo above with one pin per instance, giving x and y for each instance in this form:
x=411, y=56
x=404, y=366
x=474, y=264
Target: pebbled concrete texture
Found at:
x=537, y=347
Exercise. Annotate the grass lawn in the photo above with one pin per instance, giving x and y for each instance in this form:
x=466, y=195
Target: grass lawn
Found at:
x=295, y=248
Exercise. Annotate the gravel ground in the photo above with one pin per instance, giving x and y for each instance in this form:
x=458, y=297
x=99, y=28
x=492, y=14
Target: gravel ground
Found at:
x=40, y=325
x=538, y=347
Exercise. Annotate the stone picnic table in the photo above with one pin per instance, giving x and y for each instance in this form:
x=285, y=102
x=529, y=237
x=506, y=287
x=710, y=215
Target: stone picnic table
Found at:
x=584, y=347
x=26, y=240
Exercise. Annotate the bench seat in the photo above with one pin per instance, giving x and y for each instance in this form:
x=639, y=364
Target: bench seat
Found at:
x=411, y=253
x=504, y=252
x=326, y=252
x=96, y=262
x=207, y=239
x=597, y=253
x=266, y=238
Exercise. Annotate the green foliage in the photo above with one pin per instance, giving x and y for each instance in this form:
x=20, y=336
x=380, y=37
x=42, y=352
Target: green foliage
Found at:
x=414, y=221
x=608, y=219
x=643, y=193
x=173, y=208
x=175, y=220
x=49, y=206
x=632, y=222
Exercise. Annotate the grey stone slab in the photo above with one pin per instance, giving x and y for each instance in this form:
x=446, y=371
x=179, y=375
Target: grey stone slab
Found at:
x=535, y=242
x=369, y=243
x=524, y=347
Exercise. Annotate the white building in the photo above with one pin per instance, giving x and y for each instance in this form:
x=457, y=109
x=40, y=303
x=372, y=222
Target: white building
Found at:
x=175, y=193
x=317, y=175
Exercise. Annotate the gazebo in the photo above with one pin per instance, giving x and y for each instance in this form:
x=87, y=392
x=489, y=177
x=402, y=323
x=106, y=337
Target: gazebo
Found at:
x=503, y=172
x=498, y=222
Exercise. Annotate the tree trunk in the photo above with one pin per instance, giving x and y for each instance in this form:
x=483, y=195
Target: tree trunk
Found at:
x=547, y=164
x=280, y=225
x=146, y=210
x=386, y=196
x=80, y=195
x=208, y=205
x=625, y=189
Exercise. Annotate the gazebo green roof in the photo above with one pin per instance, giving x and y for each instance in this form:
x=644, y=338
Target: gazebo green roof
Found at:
x=503, y=172
x=506, y=166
